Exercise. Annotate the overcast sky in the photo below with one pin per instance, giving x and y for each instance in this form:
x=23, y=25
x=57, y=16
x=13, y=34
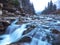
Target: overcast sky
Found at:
x=39, y=5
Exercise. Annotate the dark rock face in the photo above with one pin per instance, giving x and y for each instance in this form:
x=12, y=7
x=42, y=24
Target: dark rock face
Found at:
x=25, y=39
x=56, y=44
x=3, y=26
x=56, y=36
x=1, y=38
x=29, y=29
x=3, y=1
x=55, y=31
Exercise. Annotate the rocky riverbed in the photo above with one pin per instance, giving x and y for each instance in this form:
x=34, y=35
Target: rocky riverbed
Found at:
x=41, y=30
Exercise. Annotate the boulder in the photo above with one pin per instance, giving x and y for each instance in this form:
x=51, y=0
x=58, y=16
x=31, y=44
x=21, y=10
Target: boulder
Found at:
x=55, y=31
x=22, y=41
x=25, y=39
x=3, y=26
x=56, y=36
x=29, y=29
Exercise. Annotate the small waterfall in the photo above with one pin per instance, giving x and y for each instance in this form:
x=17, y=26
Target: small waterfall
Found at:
x=17, y=19
x=13, y=37
x=13, y=33
x=40, y=35
x=37, y=39
x=16, y=35
x=12, y=27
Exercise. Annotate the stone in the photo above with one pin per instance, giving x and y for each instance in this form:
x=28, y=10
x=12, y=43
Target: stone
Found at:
x=1, y=38
x=22, y=41
x=25, y=39
x=55, y=31
x=18, y=12
x=29, y=28
x=3, y=26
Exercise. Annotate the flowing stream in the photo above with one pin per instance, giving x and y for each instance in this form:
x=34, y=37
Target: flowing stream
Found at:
x=40, y=35
x=13, y=36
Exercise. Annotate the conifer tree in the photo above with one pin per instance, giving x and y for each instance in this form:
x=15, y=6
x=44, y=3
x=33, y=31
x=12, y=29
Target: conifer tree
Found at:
x=50, y=8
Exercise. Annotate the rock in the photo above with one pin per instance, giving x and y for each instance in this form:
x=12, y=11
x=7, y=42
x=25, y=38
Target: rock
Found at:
x=25, y=39
x=3, y=26
x=23, y=14
x=56, y=43
x=56, y=36
x=17, y=12
x=22, y=41
x=5, y=12
x=1, y=38
x=29, y=28
x=55, y=31
x=45, y=27
x=10, y=14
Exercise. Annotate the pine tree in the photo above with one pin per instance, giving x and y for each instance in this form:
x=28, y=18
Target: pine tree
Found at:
x=54, y=7
x=50, y=8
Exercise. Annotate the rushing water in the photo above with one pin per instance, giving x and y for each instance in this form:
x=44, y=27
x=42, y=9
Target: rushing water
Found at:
x=13, y=37
x=14, y=33
x=41, y=34
x=12, y=27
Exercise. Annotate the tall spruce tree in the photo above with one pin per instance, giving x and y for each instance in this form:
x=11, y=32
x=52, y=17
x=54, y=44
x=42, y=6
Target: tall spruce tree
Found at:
x=54, y=7
x=50, y=8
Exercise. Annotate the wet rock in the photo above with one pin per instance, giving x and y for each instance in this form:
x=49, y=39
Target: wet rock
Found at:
x=45, y=27
x=56, y=36
x=1, y=38
x=58, y=43
x=55, y=31
x=25, y=39
x=5, y=23
x=57, y=24
x=23, y=14
x=43, y=38
x=1, y=29
x=22, y=41
x=5, y=11
x=3, y=26
x=17, y=12
x=10, y=14
x=29, y=28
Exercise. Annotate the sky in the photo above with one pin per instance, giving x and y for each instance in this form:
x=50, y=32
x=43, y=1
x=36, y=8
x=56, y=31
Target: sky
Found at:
x=40, y=5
